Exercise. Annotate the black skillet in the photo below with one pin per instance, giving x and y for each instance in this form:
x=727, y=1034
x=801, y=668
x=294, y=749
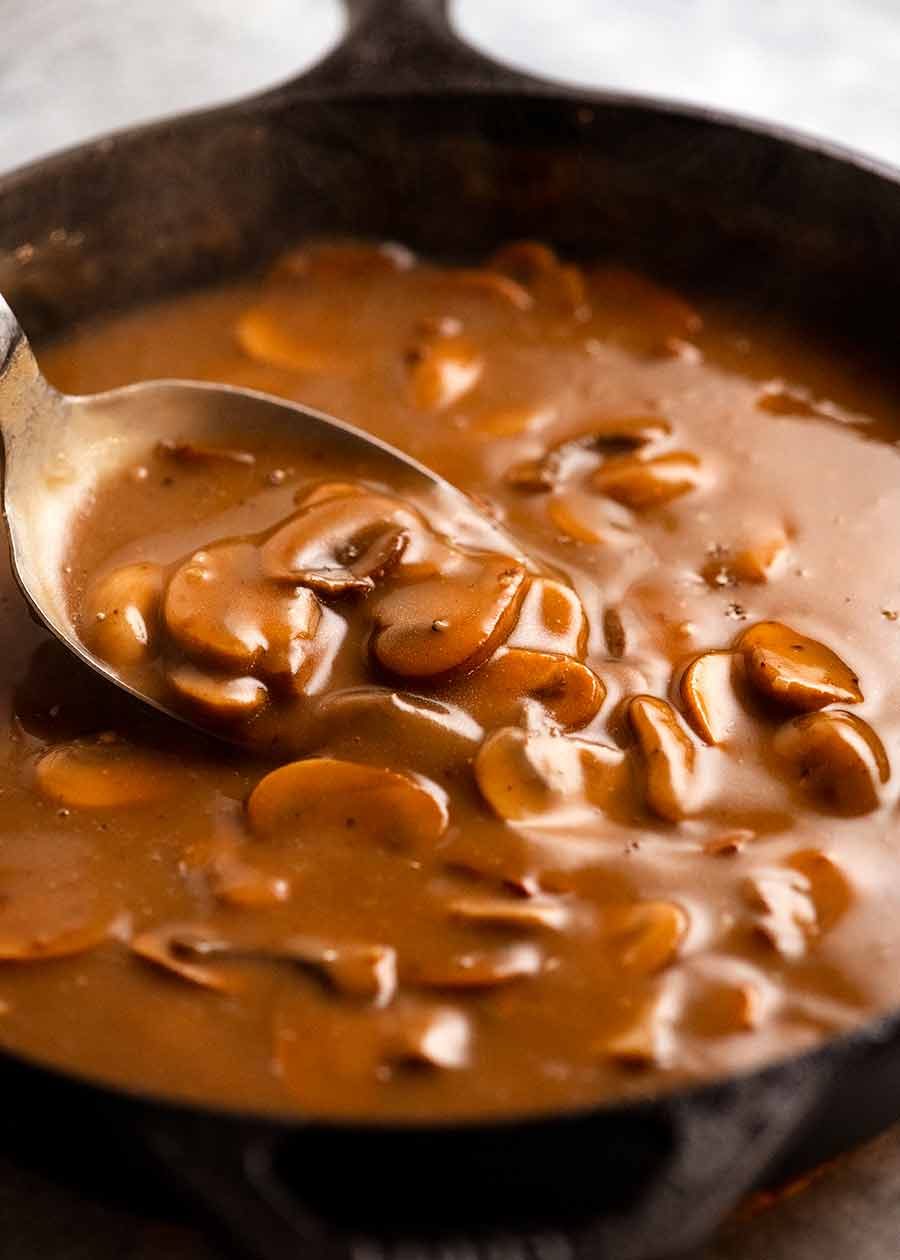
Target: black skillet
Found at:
x=404, y=132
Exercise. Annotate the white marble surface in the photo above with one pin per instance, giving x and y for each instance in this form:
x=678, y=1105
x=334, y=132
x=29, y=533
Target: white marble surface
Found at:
x=73, y=68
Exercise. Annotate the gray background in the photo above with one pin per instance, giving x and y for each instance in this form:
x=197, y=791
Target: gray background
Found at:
x=73, y=68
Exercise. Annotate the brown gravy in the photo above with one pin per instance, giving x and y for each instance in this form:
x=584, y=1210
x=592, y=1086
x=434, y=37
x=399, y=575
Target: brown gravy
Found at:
x=513, y=831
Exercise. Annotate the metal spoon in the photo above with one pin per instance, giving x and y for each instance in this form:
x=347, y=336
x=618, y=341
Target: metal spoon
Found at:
x=57, y=448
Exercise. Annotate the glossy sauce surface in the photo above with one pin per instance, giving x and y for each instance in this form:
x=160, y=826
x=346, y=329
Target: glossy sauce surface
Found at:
x=520, y=828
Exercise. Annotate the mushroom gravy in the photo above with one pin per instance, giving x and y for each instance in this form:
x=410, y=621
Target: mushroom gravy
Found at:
x=511, y=829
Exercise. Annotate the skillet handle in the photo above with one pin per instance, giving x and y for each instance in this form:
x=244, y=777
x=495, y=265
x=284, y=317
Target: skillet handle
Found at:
x=394, y=46
x=232, y=1181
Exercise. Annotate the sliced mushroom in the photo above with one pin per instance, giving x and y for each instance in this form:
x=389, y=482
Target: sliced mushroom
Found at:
x=730, y=843
x=551, y=283
x=120, y=613
x=642, y=1040
x=707, y=691
x=523, y=776
x=103, y=772
x=829, y=887
x=782, y=399
x=428, y=1036
x=756, y=562
x=584, y=518
x=356, y=1051
x=607, y=436
x=322, y=796
x=641, y=484
x=367, y=972
x=51, y=903
x=441, y=371
x=197, y=453
x=276, y=331
x=220, y=609
x=454, y=620
x=795, y=671
x=725, y=1009
x=342, y=543
x=644, y=937
x=785, y=913
x=343, y=259
x=633, y=311
x=509, y=421
x=551, y=619
x=325, y=490
x=837, y=759
x=491, y=283
x=176, y=948
x=669, y=757
x=514, y=680
x=218, y=699
x=614, y=633
x=478, y=969
x=237, y=882
x=548, y=913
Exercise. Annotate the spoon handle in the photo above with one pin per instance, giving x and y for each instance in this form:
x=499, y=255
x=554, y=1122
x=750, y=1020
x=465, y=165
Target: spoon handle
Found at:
x=19, y=373
x=11, y=336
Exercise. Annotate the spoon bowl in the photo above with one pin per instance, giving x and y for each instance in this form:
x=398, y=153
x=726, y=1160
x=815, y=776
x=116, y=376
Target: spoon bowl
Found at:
x=58, y=448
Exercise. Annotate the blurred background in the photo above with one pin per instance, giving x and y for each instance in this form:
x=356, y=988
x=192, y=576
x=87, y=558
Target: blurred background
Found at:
x=72, y=68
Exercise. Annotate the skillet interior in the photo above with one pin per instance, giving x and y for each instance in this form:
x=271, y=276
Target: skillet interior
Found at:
x=370, y=146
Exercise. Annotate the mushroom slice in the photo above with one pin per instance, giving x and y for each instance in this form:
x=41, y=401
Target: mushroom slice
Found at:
x=641, y=484
x=726, y=1008
x=359, y=971
x=630, y=309
x=837, y=759
x=455, y=619
x=103, y=772
x=707, y=691
x=428, y=1036
x=551, y=619
x=608, y=436
x=669, y=757
x=538, y=269
x=795, y=671
x=514, y=679
x=325, y=490
x=642, y=1040
x=441, y=371
x=491, y=283
x=584, y=518
x=239, y=883
x=178, y=947
x=479, y=969
x=219, y=699
x=548, y=913
x=342, y=543
x=785, y=914
x=50, y=902
x=220, y=608
x=614, y=633
x=323, y=797
x=761, y=560
x=196, y=453
x=523, y=776
x=355, y=1051
x=120, y=614
x=829, y=887
x=644, y=937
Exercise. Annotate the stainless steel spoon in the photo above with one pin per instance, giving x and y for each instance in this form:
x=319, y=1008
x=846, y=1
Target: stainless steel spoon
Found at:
x=57, y=448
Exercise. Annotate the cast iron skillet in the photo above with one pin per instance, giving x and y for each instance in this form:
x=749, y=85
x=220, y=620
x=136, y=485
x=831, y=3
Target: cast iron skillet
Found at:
x=404, y=132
